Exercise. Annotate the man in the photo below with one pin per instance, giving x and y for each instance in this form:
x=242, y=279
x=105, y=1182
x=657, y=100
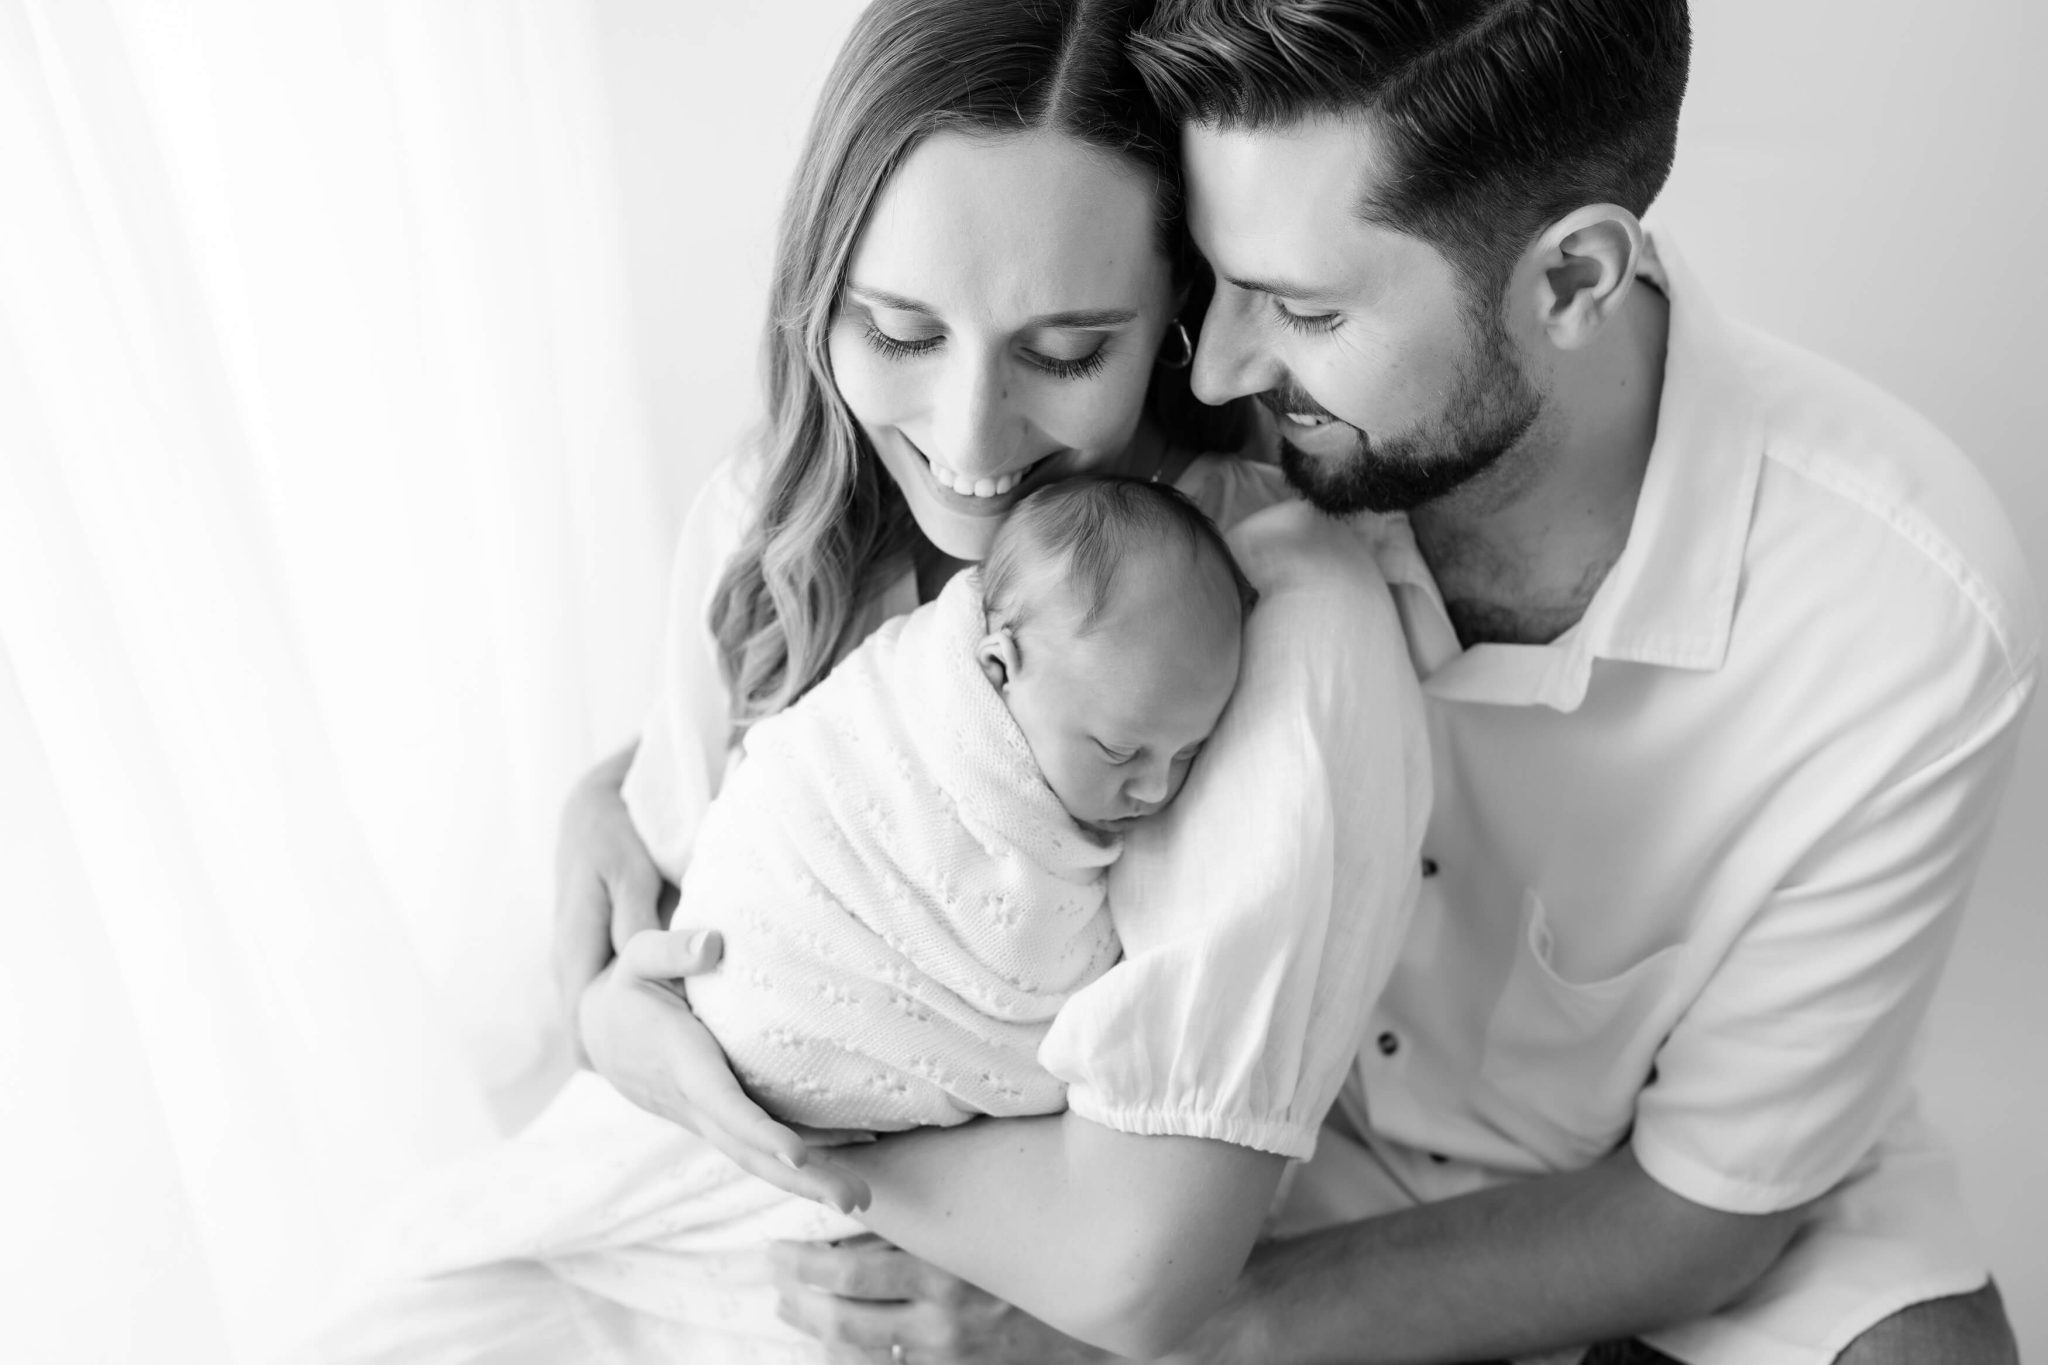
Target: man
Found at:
x=1726, y=654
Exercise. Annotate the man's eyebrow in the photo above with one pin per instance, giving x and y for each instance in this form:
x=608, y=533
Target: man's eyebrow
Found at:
x=1087, y=317
x=1279, y=289
x=1074, y=319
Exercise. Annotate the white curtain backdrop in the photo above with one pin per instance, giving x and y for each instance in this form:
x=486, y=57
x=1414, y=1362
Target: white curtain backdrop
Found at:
x=330, y=550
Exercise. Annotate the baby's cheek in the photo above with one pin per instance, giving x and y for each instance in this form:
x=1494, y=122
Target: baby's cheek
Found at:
x=1077, y=794
x=1178, y=779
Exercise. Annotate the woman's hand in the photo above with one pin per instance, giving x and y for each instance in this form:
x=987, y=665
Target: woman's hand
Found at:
x=641, y=1036
x=862, y=1296
x=631, y=1020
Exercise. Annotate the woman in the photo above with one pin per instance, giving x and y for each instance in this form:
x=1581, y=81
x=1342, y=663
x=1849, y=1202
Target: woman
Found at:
x=976, y=286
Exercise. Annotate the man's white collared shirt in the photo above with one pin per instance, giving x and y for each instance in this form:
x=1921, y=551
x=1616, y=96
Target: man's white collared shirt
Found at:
x=1695, y=867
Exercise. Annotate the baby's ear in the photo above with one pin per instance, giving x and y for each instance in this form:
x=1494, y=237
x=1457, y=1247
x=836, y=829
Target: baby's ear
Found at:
x=997, y=655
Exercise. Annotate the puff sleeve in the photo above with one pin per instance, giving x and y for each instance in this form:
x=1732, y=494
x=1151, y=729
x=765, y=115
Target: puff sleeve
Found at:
x=1262, y=913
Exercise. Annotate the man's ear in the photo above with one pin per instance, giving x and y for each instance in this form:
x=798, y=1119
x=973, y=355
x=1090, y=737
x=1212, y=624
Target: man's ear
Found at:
x=997, y=654
x=1587, y=262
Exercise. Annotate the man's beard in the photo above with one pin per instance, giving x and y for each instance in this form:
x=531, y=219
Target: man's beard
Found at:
x=1490, y=409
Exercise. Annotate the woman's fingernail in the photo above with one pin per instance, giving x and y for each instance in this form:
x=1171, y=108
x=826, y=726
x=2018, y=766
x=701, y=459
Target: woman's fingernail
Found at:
x=698, y=940
x=786, y=1159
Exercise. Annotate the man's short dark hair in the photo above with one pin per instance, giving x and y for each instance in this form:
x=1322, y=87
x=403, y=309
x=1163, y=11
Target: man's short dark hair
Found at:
x=1498, y=116
x=1090, y=523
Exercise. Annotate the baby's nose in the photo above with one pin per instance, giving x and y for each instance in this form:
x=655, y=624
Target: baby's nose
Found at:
x=1149, y=785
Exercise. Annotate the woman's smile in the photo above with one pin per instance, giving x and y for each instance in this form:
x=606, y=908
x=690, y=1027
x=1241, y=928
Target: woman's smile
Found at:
x=982, y=488
x=978, y=495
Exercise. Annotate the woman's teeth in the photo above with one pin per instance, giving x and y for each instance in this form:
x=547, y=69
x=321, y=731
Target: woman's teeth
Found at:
x=979, y=488
x=1306, y=419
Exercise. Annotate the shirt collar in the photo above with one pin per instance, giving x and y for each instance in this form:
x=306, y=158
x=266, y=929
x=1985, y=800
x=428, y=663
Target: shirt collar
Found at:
x=1669, y=600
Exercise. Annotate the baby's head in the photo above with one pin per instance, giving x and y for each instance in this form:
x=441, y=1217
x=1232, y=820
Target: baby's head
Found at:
x=1115, y=624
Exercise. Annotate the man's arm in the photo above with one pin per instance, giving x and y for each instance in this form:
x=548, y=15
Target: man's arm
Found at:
x=606, y=887
x=1541, y=1264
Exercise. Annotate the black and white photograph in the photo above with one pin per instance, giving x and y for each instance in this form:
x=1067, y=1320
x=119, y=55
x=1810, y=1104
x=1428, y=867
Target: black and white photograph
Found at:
x=1023, y=682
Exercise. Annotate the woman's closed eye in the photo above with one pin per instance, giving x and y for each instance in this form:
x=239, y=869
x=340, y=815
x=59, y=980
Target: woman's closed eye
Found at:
x=893, y=347
x=1079, y=368
x=900, y=348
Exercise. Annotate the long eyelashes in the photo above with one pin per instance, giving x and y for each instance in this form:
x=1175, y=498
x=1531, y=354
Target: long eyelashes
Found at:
x=1087, y=365
x=1313, y=324
x=896, y=348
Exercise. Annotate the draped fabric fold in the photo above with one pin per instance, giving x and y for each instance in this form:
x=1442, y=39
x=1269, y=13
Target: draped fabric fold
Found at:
x=330, y=551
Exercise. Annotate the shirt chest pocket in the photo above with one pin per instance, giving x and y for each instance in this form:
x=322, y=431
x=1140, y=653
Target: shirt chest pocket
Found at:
x=1564, y=1060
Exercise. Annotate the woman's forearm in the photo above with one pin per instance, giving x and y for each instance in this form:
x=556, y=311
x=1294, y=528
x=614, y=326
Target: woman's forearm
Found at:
x=1125, y=1242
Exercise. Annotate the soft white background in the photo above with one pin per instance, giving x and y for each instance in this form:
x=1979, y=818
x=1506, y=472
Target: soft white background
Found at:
x=357, y=360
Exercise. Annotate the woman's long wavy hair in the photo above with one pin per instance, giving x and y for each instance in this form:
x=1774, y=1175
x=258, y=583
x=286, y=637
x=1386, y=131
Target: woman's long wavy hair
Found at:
x=829, y=517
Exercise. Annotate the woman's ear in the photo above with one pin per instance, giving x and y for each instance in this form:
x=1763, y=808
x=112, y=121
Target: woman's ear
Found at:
x=998, y=657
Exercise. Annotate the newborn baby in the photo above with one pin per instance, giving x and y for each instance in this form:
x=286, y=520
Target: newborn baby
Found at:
x=909, y=863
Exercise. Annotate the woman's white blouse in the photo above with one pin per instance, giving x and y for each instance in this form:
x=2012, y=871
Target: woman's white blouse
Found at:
x=1261, y=914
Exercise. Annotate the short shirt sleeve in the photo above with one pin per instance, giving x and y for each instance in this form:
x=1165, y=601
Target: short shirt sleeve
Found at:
x=1263, y=912
x=1798, y=1053
x=683, y=745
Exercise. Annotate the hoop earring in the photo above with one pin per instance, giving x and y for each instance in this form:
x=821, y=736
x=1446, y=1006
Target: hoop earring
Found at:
x=1177, y=358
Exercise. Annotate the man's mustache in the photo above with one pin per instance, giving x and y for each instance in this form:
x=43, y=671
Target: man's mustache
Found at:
x=1287, y=400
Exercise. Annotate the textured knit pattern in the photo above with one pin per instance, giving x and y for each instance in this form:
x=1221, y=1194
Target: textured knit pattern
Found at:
x=905, y=903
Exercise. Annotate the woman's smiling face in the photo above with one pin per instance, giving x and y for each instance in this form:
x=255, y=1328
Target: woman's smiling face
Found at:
x=999, y=322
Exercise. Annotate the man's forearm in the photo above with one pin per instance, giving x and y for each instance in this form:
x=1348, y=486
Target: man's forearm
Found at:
x=1546, y=1263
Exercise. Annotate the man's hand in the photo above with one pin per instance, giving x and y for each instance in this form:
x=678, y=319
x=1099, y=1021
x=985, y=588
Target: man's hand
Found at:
x=641, y=1037
x=863, y=1296
x=606, y=887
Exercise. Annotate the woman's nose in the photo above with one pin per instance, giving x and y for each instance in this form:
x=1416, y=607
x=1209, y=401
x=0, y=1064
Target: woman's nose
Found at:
x=975, y=430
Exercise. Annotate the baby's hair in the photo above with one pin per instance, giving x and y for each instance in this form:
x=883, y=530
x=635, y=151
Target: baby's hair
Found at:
x=1092, y=522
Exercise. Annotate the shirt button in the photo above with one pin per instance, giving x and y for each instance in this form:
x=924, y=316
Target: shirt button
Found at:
x=1429, y=868
x=1389, y=1044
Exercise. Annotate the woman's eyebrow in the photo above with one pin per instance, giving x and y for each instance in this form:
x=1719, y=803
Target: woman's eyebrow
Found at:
x=889, y=300
x=1079, y=318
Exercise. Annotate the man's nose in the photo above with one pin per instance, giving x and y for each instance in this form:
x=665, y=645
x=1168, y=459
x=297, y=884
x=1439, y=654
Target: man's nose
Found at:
x=975, y=430
x=1230, y=359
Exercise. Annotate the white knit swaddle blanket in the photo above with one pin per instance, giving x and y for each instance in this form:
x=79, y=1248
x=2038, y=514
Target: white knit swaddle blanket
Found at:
x=905, y=903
